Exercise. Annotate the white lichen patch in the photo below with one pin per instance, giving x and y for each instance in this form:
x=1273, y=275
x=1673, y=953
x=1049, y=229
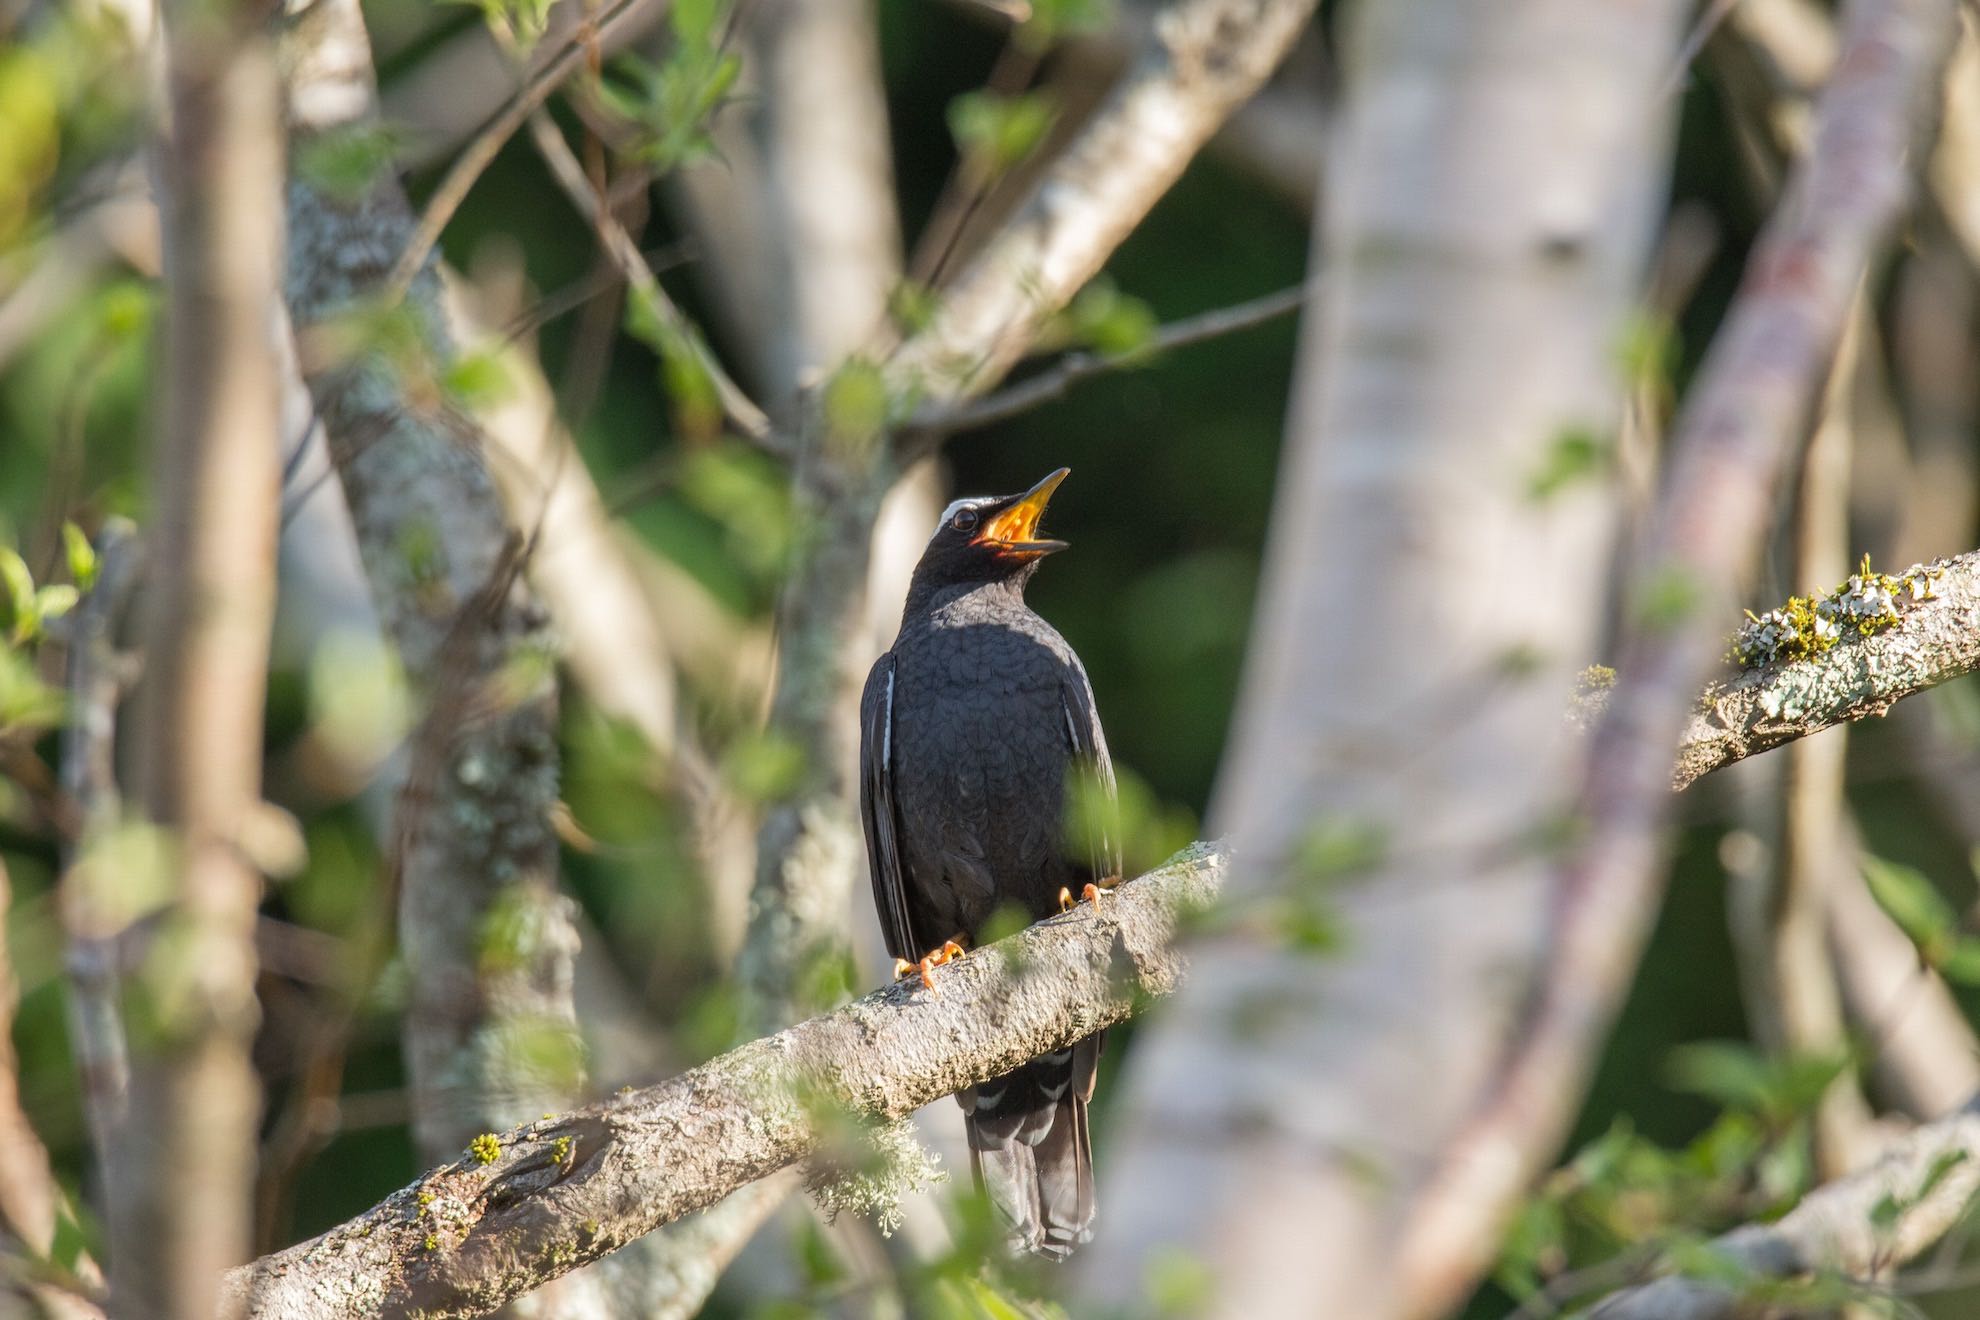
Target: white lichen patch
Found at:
x=870, y=1173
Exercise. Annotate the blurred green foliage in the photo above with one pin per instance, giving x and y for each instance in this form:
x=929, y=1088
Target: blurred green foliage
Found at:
x=1174, y=464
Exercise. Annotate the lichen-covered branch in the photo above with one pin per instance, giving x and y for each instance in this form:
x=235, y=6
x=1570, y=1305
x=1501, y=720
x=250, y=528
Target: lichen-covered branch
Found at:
x=556, y=1194
x=490, y=1030
x=1932, y=641
x=1857, y=1228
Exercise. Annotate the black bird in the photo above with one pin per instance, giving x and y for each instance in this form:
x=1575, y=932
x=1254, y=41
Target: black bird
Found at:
x=970, y=728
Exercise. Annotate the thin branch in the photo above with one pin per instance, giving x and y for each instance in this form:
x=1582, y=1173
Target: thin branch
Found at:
x=482, y=149
x=1856, y=1228
x=565, y=1191
x=97, y=678
x=565, y=167
x=1739, y=425
x=1053, y=382
x=184, y=1169
x=1934, y=641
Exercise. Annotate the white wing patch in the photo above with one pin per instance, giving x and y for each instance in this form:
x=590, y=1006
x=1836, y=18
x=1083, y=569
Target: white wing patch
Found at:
x=887, y=724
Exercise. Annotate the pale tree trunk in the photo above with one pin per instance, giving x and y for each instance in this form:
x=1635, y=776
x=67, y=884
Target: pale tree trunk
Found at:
x=182, y=1179
x=1490, y=200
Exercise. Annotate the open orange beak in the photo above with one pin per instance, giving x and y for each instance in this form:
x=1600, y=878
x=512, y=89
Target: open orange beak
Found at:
x=1013, y=532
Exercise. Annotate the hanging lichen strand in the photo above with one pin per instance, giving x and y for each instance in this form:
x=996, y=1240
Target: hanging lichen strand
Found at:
x=1808, y=626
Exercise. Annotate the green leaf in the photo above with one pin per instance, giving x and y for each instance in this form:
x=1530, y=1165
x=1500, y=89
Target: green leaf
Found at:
x=1914, y=903
x=1576, y=455
x=52, y=602
x=477, y=379
x=1109, y=321
x=18, y=581
x=995, y=132
x=81, y=555
x=27, y=705
x=1731, y=1073
x=345, y=162
x=856, y=405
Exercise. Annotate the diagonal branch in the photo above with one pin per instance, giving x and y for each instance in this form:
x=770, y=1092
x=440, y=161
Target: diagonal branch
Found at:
x=1858, y=1227
x=1203, y=59
x=1053, y=382
x=467, y=1238
x=624, y=252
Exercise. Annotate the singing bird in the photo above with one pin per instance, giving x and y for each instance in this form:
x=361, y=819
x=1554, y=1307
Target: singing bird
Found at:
x=970, y=729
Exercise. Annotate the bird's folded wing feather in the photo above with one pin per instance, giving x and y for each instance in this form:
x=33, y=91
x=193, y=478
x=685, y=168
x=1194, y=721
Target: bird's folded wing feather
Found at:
x=876, y=808
x=1089, y=755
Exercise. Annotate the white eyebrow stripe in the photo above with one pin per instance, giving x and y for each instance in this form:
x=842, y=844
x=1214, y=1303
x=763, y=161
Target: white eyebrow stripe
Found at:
x=956, y=506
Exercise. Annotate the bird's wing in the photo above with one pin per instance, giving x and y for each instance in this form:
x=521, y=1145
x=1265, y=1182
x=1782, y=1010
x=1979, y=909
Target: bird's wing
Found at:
x=1089, y=755
x=876, y=808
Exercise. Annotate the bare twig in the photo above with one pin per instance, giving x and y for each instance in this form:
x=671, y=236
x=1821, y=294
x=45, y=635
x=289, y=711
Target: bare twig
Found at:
x=482, y=149
x=184, y=1170
x=97, y=679
x=566, y=1191
x=1738, y=427
x=1053, y=382
x=1857, y=1228
x=564, y=166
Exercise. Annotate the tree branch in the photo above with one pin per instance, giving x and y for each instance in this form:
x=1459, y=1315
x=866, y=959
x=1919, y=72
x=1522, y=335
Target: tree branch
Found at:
x=183, y=1175
x=1202, y=60
x=1053, y=382
x=466, y=1238
x=1934, y=642
x=1927, y=1178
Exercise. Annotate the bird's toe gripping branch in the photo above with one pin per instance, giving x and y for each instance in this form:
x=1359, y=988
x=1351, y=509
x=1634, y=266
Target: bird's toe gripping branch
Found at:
x=1090, y=894
x=949, y=951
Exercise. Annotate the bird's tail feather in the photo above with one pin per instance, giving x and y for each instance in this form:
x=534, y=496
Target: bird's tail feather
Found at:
x=1032, y=1151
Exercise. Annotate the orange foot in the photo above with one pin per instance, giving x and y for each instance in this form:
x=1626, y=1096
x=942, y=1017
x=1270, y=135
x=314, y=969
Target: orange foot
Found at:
x=1090, y=894
x=949, y=951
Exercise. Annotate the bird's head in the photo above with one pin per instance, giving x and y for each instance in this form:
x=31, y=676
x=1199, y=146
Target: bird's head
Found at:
x=988, y=538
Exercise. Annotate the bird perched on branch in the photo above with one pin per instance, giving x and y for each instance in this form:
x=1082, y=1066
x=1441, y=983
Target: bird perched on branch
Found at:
x=972, y=731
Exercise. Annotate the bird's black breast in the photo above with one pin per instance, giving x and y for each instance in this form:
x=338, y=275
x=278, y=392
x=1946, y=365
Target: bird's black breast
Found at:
x=980, y=755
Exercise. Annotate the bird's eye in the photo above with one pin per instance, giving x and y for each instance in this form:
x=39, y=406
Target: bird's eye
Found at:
x=964, y=521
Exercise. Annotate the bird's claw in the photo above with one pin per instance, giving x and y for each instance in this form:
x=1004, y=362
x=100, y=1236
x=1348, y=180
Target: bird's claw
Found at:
x=1090, y=894
x=926, y=965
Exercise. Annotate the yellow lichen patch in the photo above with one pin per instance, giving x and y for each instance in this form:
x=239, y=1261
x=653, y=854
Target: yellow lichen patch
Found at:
x=485, y=1148
x=1865, y=603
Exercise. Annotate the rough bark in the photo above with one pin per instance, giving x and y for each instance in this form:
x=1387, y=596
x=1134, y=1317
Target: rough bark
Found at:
x=182, y=1177
x=1739, y=424
x=564, y=1191
x=1935, y=641
x=1861, y=1227
x=487, y=938
x=1492, y=190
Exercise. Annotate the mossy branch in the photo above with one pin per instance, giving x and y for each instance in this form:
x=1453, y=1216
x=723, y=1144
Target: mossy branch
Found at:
x=1931, y=642
x=465, y=1239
